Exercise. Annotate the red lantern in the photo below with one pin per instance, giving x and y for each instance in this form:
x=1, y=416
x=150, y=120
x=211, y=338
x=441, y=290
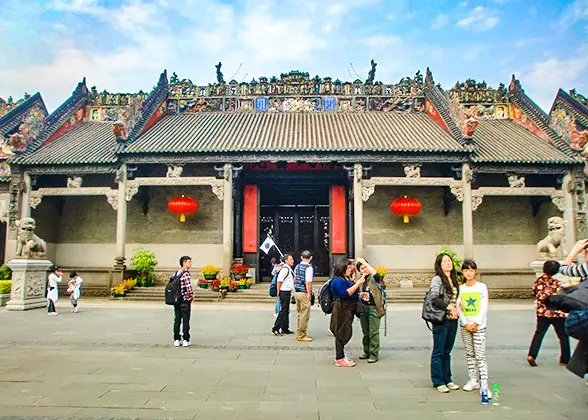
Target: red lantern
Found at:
x=406, y=207
x=182, y=205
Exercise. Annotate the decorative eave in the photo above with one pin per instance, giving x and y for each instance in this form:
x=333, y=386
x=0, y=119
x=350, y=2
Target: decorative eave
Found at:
x=579, y=110
x=13, y=118
x=152, y=103
x=536, y=115
x=438, y=99
x=60, y=116
x=70, y=169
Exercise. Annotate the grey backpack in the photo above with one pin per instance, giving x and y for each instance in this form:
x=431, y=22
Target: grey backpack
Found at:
x=430, y=313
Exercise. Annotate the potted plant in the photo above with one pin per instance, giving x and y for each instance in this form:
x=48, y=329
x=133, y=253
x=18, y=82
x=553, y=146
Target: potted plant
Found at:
x=215, y=285
x=233, y=285
x=248, y=283
x=5, y=287
x=242, y=283
x=203, y=284
x=238, y=271
x=224, y=284
x=210, y=272
x=144, y=262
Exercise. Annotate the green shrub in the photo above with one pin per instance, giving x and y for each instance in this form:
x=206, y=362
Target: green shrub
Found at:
x=144, y=262
x=5, y=286
x=5, y=273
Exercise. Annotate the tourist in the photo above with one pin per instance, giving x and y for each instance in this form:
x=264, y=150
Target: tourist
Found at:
x=472, y=308
x=276, y=266
x=183, y=309
x=580, y=270
x=285, y=285
x=546, y=285
x=345, y=302
x=372, y=297
x=74, y=289
x=303, y=291
x=444, y=293
x=53, y=281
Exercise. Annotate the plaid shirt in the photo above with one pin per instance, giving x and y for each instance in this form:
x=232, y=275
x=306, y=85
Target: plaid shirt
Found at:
x=546, y=286
x=186, y=287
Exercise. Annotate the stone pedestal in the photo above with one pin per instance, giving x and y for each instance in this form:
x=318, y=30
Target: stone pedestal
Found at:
x=537, y=267
x=29, y=278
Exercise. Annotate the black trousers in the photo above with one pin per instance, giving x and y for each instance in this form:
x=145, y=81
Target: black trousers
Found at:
x=543, y=324
x=182, y=317
x=283, y=319
x=339, y=350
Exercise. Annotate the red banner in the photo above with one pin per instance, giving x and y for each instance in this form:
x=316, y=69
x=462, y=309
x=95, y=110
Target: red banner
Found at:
x=338, y=220
x=250, y=219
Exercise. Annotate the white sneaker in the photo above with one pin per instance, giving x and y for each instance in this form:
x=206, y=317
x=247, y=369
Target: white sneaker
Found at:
x=471, y=385
x=186, y=343
x=177, y=343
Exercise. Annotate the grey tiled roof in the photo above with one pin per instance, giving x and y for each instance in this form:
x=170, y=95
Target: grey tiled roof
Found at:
x=283, y=132
x=506, y=141
x=90, y=142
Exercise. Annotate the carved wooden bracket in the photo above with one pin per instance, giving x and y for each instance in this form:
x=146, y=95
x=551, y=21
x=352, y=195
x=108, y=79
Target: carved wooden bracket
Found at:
x=216, y=184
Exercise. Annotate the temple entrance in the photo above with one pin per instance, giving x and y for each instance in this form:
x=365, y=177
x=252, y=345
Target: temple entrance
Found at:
x=294, y=229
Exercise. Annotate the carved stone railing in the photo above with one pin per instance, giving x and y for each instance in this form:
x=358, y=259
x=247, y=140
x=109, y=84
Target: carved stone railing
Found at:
x=216, y=184
x=36, y=196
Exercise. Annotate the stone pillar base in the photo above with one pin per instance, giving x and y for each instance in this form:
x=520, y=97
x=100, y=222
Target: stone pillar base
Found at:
x=29, y=278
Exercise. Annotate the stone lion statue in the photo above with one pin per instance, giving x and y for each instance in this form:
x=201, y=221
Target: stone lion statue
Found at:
x=29, y=245
x=74, y=182
x=548, y=246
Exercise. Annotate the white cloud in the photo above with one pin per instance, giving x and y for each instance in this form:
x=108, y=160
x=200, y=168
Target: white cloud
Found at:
x=575, y=12
x=440, y=22
x=479, y=19
x=542, y=80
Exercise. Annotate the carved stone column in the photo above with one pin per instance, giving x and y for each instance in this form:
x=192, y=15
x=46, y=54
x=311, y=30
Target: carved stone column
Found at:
x=358, y=209
x=468, y=221
x=228, y=217
x=121, y=218
x=568, y=213
x=25, y=206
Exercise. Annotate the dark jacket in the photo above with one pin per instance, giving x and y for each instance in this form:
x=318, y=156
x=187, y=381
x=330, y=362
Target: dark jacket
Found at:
x=377, y=293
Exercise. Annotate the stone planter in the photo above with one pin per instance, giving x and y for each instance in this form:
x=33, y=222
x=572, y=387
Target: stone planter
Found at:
x=4, y=299
x=209, y=277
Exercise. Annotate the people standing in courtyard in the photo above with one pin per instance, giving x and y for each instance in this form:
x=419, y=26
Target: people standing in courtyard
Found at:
x=345, y=301
x=303, y=274
x=444, y=294
x=182, y=310
x=74, y=288
x=285, y=285
x=53, y=281
x=372, y=297
x=546, y=285
x=472, y=308
x=276, y=266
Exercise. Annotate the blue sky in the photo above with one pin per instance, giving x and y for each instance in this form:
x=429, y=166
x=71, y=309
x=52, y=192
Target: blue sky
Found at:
x=123, y=45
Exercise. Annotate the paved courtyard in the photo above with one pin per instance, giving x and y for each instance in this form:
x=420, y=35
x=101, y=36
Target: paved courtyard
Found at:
x=115, y=360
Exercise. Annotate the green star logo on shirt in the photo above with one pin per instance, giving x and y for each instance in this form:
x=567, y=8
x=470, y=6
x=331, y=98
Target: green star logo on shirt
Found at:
x=471, y=301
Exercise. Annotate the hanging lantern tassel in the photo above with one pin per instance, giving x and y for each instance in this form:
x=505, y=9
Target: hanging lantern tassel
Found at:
x=406, y=207
x=182, y=205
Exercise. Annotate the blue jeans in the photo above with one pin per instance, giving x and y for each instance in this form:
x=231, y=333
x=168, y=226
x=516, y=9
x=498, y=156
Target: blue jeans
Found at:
x=277, y=305
x=443, y=340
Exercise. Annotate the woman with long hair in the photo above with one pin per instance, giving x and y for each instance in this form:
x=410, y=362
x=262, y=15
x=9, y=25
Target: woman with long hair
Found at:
x=345, y=298
x=444, y=293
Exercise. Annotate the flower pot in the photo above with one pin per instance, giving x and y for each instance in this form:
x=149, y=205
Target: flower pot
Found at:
x=203, y=285
x=210, y=277
x=238, y=277
x=241, y=286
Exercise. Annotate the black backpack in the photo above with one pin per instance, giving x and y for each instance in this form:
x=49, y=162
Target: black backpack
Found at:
x=325, y=297
x=173, y=290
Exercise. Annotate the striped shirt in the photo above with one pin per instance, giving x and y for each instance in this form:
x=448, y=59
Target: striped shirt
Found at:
x=575, y=271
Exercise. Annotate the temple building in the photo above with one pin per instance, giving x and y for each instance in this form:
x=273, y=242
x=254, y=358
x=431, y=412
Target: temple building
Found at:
x=315, y=163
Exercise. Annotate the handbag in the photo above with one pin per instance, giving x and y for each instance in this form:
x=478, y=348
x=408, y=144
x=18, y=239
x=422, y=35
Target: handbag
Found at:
x=432, y=314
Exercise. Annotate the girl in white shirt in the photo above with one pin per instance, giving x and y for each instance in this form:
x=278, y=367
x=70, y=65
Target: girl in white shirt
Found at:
x=74, y=287
x=52, y=294
x=472, y=305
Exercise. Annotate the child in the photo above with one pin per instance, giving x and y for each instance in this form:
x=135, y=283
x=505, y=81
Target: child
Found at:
x=543, y=287
x=73, y=287
x=472, y=309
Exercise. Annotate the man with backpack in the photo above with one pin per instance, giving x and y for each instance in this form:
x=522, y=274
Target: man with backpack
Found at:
x=183, y=304
x=285, y=284
x=303, y=291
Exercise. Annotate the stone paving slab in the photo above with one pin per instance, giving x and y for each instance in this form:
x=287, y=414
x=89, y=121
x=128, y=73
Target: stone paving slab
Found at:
x=116, y=361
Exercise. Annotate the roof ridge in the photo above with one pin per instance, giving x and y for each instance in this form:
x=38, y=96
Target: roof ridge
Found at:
x=537, y=116
x=10, y=120
x=57, y=118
